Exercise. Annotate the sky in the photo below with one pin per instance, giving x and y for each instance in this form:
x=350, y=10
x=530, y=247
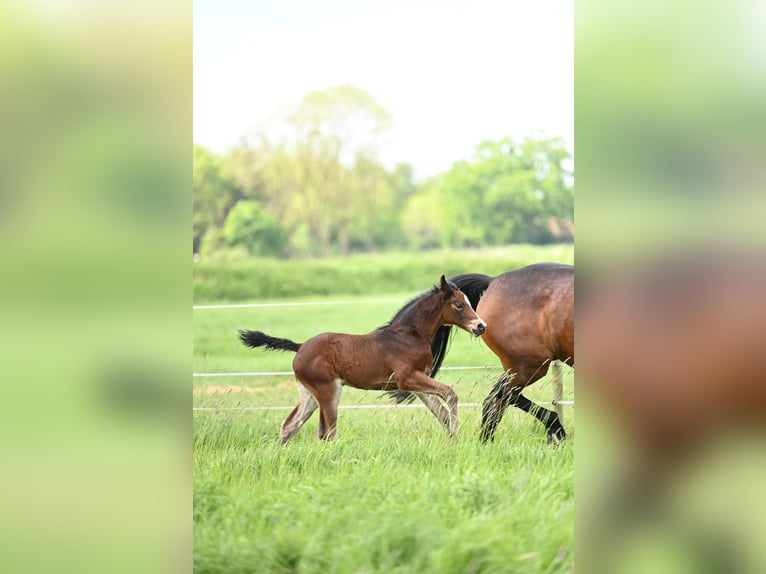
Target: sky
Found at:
x=451, y=73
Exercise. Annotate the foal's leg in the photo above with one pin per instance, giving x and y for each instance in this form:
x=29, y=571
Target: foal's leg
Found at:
x=299, y=415
x=418, y=382
x=435, y=406
x=327, y=395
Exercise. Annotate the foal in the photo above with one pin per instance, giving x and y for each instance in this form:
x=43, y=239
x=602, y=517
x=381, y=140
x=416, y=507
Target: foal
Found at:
x=394, y=356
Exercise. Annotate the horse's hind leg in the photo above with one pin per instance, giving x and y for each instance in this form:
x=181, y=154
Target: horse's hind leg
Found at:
x=549, y=418
x=299, y=415
x=494, y=407
x=328, y=396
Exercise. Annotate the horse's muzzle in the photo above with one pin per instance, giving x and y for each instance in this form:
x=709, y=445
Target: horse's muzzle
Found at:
x=479, y=329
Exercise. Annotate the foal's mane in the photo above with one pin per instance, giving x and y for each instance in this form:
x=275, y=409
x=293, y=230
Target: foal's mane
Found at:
x=406, y=312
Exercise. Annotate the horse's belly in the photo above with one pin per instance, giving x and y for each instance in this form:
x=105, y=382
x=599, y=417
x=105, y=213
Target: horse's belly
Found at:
x=370, y=380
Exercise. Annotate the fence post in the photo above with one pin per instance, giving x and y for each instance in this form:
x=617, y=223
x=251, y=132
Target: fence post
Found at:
x=558, y=388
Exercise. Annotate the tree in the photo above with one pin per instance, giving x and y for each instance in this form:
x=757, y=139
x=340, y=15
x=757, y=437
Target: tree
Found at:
x=508, y=193
x=337, y=181
x=244, y=166
x=213, y=194
x=248, y=225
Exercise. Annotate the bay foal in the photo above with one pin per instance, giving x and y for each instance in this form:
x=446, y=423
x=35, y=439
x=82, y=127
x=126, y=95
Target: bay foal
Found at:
x=394, y=356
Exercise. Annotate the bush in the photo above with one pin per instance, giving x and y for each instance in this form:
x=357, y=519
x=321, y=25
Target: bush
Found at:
x=248, y=225
x=217, y=280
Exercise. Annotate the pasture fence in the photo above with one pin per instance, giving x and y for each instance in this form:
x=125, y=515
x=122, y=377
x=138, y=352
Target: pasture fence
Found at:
x=556, y=379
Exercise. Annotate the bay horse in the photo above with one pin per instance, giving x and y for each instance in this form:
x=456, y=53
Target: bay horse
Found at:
x=671, y=348
x=530, y=316
x=394, y=356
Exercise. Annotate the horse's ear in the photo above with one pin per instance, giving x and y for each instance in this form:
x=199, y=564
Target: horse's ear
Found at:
x=443, y=285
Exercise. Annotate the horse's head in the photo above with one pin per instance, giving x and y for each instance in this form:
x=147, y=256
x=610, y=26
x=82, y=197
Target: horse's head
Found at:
x=457, y=309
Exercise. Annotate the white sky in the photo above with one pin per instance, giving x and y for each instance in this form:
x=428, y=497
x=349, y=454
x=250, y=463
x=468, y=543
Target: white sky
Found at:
x=451, y=72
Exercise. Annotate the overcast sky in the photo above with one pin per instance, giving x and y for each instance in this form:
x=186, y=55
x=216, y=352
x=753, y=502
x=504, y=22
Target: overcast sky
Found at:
x=451, y=72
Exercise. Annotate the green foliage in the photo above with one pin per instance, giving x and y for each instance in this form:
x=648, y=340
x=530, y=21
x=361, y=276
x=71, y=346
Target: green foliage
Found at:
x=246, y=168
x=214, y=194
x=319, y=176
x=217, y=280
x=249, y=226
x=345, y=114
x=509, y=193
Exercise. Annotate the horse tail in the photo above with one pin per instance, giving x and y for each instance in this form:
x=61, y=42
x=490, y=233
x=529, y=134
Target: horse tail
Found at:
x=473, y=285
x=255, y=339
x=500, y=388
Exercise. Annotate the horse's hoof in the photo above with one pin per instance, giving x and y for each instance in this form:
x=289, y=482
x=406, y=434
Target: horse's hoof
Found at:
x=555, y=437
x=487, y=437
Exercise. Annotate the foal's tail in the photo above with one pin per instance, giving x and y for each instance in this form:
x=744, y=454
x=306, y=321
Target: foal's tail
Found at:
x=473, y=285
x=258, y=339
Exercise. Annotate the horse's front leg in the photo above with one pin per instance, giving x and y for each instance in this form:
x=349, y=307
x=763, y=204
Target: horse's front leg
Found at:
x=435, y=406
x=418, y=382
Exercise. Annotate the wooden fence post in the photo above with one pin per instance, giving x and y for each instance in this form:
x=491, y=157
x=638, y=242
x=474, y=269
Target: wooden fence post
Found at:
x=558, y=388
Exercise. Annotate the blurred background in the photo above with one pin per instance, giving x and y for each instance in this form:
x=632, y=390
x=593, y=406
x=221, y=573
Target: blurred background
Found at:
x=95, y=209
x=671, y=272
x=343, y=128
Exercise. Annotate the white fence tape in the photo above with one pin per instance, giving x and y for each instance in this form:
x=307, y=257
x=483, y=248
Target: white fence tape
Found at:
x=556, y=382
x=299, y=303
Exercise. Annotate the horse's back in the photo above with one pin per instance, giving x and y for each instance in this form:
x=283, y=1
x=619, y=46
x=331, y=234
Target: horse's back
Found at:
x=674, y=349
x=530, y=312
x=362, y=361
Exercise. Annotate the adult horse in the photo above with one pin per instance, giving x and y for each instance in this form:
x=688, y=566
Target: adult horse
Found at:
x=530, y=317
x=671, y=350
x=394, y=356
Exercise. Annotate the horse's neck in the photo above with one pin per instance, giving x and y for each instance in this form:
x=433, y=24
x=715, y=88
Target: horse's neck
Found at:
x=423, y=322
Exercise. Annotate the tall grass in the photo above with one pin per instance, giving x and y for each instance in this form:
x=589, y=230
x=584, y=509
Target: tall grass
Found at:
x=393, y=493
x=363, y=274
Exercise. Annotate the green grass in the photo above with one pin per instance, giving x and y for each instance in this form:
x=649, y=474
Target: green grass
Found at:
x=393, y=492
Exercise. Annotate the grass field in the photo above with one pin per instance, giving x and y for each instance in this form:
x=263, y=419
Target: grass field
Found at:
x=393, y=493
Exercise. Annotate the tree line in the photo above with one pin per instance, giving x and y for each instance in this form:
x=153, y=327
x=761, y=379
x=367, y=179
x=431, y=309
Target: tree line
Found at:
x=312, y=184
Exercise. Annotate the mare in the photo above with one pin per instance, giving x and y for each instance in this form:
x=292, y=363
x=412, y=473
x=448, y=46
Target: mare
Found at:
x=673, y=347
x=671, y=351
x=530, y=322
x=394, y=356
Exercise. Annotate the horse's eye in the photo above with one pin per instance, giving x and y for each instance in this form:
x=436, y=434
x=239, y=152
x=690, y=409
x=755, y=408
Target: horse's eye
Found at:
x=458, y=306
